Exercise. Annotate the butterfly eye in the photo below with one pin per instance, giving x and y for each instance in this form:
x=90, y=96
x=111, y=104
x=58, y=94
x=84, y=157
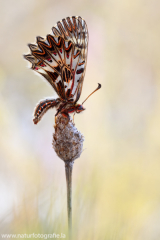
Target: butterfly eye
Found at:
x=80, y=108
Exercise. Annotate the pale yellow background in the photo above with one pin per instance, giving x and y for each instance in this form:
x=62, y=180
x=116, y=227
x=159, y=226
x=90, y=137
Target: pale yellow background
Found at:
x=116, y=182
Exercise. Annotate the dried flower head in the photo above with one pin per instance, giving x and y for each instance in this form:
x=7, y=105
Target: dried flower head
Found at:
x=67, y=140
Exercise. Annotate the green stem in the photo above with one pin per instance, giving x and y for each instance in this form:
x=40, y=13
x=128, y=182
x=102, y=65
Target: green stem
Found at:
x=68, y=169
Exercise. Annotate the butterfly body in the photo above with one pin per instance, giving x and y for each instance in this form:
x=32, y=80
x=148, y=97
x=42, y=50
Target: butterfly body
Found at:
x=62, y=106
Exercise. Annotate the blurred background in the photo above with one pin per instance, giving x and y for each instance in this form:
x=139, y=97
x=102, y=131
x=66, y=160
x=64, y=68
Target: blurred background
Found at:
x=116, y=181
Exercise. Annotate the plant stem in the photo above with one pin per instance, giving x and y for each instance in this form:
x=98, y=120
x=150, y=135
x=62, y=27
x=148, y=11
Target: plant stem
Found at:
x=68, y=169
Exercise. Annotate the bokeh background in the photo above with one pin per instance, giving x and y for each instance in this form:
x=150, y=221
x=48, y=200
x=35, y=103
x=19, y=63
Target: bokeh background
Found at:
x=116, y=181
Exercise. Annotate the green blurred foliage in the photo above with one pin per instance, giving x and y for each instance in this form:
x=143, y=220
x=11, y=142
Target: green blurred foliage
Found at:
x=116, y=181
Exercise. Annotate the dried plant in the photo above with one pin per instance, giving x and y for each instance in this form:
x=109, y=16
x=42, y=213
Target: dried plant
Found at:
x=68, y=144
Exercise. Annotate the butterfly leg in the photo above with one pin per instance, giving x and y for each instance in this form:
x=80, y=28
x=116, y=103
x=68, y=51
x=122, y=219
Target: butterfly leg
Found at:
x=73, y=117
x=55, y=117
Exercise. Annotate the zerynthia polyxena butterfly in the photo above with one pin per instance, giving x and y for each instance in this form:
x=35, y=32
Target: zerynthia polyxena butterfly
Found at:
x=61, y=59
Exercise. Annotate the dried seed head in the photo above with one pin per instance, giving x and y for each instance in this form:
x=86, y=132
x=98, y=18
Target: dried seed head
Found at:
x=67, y=140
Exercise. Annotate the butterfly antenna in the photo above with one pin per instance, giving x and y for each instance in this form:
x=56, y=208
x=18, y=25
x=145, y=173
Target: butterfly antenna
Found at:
x=99, y=86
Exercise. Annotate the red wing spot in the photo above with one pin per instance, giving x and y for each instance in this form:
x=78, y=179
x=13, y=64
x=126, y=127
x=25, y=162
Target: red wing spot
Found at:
x=79, y=71
x=60, y=50
x=36, y=68
x=55, y=53
x=67, y=55
x=42, y=65
x=49, y=59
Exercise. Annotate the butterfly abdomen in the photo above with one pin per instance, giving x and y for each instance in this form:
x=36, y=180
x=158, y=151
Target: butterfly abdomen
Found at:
x=42, y=108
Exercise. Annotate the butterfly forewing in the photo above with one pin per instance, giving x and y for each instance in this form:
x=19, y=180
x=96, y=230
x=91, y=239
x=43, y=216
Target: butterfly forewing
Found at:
x=61, y=57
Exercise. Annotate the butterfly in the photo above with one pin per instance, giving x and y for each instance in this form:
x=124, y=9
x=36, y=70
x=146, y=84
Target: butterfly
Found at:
x=61, y=59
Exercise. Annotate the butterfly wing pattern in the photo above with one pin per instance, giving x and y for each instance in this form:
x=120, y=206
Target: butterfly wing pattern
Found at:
x=61, y=58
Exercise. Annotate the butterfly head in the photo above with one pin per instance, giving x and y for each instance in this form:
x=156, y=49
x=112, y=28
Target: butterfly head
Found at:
x=79, y=108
